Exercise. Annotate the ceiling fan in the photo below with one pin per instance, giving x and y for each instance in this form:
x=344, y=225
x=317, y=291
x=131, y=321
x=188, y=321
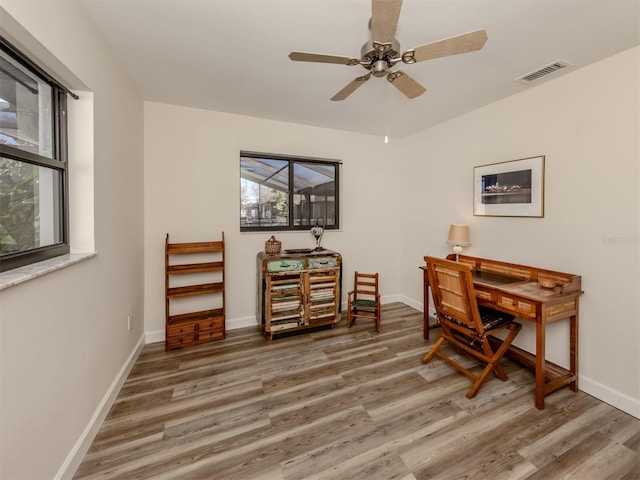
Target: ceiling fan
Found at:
x=380, y=54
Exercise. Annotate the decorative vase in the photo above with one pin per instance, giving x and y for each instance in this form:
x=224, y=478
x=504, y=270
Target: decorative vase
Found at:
x=317, y=231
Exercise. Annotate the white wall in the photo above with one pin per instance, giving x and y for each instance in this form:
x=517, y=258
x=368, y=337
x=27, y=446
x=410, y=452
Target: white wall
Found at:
x=62, y=353
x=192, y=192
x=586, y=123
x=63, y=336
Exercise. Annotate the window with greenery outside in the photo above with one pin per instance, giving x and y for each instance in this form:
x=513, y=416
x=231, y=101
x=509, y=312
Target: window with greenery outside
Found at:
x=33, y=163
x=280, y=192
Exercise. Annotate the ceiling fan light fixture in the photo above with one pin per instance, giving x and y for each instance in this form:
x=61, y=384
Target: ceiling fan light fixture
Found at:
x=379, y=68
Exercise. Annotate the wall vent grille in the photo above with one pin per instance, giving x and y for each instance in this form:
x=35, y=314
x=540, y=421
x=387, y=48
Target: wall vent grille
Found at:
x=545, y=71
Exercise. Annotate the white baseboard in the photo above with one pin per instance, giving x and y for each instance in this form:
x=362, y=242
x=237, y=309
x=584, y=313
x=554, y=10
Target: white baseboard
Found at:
x=391, y=299
x=79, y=450
x=608, y=395
x=418, y=306
x=232, y=324
x=154, y=337
x=406, y=300
x=242, y=322
x=384, y=299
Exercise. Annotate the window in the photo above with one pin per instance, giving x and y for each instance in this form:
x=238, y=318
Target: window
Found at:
x=33, y=162
x=279, y=192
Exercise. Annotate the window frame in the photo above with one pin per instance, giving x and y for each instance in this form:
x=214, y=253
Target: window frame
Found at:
x=58, y=162
x=293, y=160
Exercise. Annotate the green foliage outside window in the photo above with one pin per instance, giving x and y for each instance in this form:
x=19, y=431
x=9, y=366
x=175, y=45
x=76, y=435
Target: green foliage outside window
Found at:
x=18, y=206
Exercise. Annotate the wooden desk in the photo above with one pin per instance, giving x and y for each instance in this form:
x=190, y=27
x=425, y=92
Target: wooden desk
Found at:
x=515, y=289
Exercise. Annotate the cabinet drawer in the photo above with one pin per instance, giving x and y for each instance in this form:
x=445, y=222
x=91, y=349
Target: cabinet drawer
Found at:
x=181, y=341
x=181, y=329
x=209, y=324
x=484, y=294
x=518, y=306
x=209, y=335
x=285, y=265
x=322, y=262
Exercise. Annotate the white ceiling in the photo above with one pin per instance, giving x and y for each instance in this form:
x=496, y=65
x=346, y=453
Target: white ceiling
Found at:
x=232, y=55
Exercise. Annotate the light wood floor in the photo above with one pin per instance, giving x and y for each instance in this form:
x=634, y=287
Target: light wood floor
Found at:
x=348, y=404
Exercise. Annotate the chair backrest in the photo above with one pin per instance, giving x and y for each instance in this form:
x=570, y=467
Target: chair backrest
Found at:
x=453, y=293
x=365, y=284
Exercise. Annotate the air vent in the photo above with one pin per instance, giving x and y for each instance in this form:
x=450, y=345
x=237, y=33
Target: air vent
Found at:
x=552, y=68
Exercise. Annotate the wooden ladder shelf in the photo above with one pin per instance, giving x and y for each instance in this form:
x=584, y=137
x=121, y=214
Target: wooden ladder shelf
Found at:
x=200, y=326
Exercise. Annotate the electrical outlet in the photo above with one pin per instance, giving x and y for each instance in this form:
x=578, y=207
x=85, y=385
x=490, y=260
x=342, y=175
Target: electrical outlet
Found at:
x=129, y=321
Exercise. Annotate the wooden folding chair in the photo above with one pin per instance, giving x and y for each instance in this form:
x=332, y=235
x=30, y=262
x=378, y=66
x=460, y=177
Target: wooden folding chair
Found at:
x=465, y=325
x=364, y=299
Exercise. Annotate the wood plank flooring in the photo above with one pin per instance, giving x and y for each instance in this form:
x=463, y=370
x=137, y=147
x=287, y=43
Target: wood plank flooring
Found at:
x=348, y=404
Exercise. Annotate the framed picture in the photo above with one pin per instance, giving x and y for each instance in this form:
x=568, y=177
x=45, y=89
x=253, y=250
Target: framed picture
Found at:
x=509, y=189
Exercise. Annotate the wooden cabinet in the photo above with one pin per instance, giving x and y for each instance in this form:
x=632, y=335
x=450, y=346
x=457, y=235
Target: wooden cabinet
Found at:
x=297, y=291
x=194, y=269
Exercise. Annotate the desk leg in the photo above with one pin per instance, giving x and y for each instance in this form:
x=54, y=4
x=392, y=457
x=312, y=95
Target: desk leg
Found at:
x=540, y=363
x=425, y=303
x=573, y=351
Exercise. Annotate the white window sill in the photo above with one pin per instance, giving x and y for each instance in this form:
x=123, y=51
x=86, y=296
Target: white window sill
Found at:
x=28, y=272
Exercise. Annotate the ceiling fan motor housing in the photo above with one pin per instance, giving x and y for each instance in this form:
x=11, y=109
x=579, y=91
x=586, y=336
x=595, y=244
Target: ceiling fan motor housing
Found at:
x=379, y=57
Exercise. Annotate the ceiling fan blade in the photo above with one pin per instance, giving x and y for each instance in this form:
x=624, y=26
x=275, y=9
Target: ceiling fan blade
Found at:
x=350, y=88
x=467, y=42
x=384, y=19
x=406, y=84
x=322, y=58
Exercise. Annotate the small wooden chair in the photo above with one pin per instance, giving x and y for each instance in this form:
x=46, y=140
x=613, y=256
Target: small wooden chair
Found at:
x=364, y=299
x=465, y=325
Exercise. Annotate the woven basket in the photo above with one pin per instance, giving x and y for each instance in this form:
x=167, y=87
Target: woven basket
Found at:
x=272, y=246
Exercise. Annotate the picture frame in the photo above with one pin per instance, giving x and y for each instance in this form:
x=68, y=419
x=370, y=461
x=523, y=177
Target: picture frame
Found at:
x=509, y=189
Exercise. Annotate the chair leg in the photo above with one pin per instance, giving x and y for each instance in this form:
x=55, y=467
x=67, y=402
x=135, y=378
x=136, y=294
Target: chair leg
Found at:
x=494, y=359
x=479, y=381
x=490, y=354
x=429, y=355
x=514, y=328
x=492, y=366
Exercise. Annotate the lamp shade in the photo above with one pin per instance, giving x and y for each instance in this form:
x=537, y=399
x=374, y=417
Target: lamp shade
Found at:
x=459, y=235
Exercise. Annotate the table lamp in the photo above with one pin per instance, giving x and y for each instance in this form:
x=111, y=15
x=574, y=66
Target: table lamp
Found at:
x=458, y=237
